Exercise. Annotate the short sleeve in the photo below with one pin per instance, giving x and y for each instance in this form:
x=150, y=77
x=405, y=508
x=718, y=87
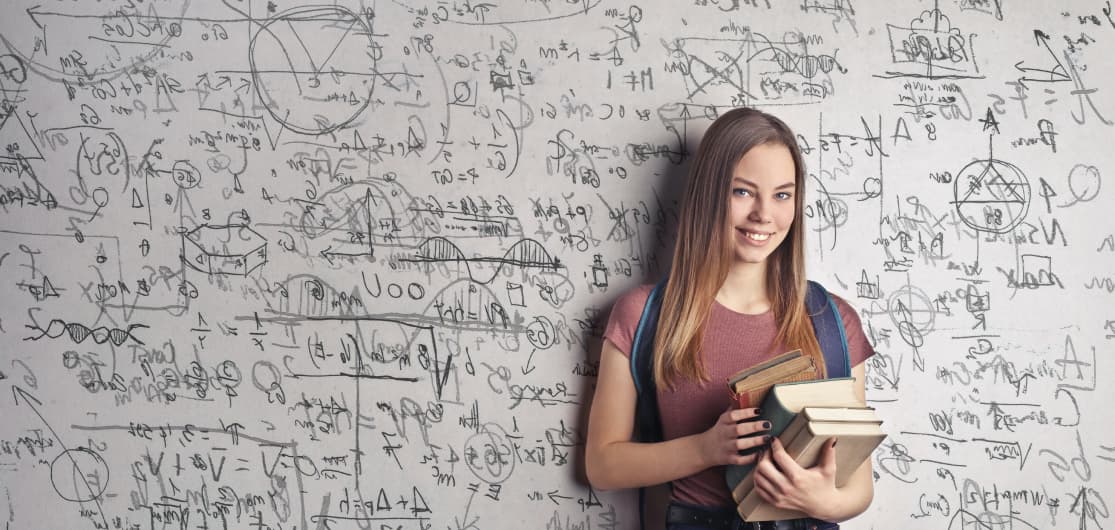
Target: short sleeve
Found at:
x=625, y=317
x=859, y=348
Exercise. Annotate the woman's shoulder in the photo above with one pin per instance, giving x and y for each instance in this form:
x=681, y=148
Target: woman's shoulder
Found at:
x=626, y=312
x=638, y=293
x=632, y=301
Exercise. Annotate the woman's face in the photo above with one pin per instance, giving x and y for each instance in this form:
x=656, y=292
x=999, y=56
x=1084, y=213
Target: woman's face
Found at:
x=762, y=201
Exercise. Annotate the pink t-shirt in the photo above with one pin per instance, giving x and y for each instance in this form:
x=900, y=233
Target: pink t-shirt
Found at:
x=733, y=341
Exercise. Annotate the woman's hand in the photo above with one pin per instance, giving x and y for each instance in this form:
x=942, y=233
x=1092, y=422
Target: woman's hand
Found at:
x=782, y=483
x=721, y=444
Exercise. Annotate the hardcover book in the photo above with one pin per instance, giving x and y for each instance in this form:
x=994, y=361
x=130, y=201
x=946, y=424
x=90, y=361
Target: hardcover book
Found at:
x=749, y=386
x=855, y=442
x=784, y=400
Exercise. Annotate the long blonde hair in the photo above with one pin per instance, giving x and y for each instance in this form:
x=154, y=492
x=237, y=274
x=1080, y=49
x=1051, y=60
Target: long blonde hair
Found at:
x=703, y=253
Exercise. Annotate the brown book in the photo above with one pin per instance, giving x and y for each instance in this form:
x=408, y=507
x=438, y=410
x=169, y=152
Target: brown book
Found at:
x=856, y=441
x=754, y=369
x=749, y=386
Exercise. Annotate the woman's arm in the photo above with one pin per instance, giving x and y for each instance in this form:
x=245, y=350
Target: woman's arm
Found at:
x=813, y=490
x=613, y=461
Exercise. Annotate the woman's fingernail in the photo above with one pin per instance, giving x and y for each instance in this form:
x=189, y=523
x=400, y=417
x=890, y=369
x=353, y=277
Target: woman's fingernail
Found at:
x=834, y=443
x=767, y=439
x=766, y=424
x=758, y=411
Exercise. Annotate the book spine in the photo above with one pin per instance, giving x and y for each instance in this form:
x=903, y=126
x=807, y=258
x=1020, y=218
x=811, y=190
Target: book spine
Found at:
x=779, y=416
x=787, y=438
x=773, y=410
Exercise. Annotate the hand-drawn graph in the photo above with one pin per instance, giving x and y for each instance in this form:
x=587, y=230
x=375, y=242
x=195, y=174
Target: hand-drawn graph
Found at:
x=754, y=69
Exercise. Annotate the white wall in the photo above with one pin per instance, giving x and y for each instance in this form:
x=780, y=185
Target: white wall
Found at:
x=316, y=266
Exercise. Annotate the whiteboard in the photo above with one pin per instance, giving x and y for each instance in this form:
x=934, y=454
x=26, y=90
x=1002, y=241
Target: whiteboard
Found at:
x=283, y=265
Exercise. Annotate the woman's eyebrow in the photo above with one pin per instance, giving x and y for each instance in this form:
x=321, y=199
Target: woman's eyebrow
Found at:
x=753, y=185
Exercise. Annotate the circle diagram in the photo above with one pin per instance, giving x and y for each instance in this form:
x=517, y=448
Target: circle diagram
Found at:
x=313, y=68
x=71, y=471
x=991, y=196
x=912, y=313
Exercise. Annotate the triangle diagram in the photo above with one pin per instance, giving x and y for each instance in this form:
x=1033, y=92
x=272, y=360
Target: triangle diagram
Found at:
x=14, y=133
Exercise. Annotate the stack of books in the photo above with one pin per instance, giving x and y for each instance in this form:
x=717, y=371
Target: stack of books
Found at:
x=805, y=415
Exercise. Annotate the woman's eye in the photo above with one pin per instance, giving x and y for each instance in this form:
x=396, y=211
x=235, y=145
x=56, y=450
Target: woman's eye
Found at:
x=784, y=195
x=741, y=192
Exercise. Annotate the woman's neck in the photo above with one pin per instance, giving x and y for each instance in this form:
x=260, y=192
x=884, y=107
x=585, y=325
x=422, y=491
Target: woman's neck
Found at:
x=744, y=290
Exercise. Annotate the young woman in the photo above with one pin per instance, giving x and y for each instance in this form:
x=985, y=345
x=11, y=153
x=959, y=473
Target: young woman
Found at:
x=735, y=297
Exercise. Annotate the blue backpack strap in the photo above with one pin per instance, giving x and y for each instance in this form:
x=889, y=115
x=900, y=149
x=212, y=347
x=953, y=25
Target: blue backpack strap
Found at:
x=648, y=426
x=829, y=329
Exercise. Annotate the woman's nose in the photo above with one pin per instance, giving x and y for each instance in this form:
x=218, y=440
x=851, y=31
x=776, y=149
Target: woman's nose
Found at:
x=759, y=212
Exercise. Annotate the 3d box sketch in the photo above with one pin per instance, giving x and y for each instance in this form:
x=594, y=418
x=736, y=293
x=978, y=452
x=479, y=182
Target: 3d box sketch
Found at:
x=224, y=249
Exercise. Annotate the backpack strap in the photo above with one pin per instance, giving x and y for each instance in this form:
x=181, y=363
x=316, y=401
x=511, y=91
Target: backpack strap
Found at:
x=829, y=329
x=648, y=426
x=648, y=423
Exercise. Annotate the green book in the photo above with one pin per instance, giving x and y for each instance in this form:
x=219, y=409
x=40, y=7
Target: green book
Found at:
x=785, y=400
